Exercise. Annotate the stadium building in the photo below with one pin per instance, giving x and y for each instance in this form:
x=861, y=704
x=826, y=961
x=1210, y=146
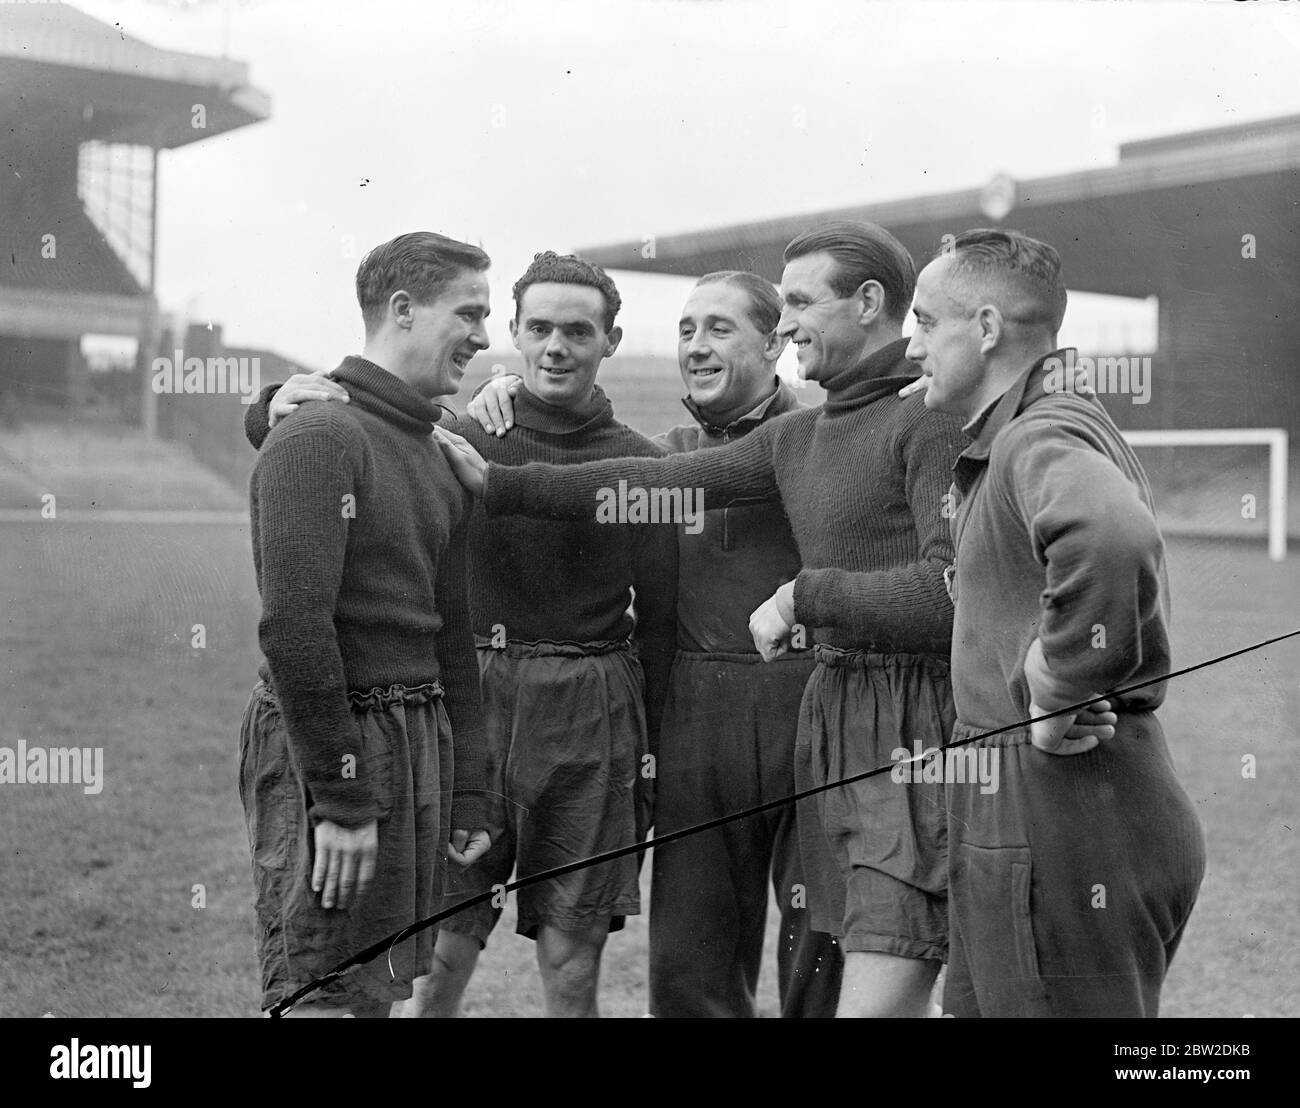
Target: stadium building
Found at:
x=1204, y=222
x=85, y=111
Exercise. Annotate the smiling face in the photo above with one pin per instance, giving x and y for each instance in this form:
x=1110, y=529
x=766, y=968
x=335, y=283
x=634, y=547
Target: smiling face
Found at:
x=946, y=344
x=560, y=331
x=826, y=328
x=447, y=332
x=727, y=363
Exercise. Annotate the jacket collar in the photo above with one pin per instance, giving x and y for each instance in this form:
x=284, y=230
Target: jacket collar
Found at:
x=779, y=401
x=1028, y=389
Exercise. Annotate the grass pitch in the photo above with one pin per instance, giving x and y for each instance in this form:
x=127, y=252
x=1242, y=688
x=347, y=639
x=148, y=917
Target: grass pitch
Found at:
x=100, y=915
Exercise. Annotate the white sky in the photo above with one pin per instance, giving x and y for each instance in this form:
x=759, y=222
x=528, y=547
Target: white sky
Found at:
x=535, y=124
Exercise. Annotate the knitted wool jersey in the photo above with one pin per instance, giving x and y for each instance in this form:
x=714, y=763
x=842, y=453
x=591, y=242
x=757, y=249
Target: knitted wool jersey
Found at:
x=358, y=529
x=572, y=581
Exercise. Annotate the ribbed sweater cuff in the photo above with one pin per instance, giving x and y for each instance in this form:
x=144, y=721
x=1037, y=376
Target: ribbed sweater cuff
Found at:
x=469, y=812
x=809, y=590
x=347, y=807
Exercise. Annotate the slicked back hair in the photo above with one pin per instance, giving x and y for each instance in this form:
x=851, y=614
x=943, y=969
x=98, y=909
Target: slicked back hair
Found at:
x=764, y=302
x=421, y=262
x=862, y=252
x=548, y=267
x=1023, y=272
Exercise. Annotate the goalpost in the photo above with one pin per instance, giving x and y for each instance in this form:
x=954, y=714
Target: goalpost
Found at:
x=1275, y=438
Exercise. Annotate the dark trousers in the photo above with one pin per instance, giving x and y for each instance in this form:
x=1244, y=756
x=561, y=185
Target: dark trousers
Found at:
x=727, y=743
x=1070, y=886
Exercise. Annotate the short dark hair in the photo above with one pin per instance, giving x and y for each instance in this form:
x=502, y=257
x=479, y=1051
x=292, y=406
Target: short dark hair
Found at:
x=548, y=267
x=421, y=262
x=1028, y=272
x=862, y=252
x=764, y=303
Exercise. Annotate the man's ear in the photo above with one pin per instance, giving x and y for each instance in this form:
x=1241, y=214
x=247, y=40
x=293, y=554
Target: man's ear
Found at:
x=774, y=346
x=514, y=332
x=989, y=320
x=871, y=299
x=612, y=339
x=401, y=309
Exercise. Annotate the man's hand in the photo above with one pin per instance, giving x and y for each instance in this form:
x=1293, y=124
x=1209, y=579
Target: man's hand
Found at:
x=1068, y=734
x=1097, y=719
x=772, y=621
x=468, y=846
x=302, y=387
x=1049, y=735
x=466, y=462
x=1077, y=734
x=494, y=407
x=345, y=862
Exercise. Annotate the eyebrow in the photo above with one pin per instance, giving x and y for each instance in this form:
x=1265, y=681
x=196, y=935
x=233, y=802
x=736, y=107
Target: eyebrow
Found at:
x=716, y=317
x=529, y=321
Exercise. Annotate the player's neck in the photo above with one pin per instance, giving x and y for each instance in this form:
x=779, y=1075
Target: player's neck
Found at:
x=392, y=358
x=1002, y=370
x=877, y=339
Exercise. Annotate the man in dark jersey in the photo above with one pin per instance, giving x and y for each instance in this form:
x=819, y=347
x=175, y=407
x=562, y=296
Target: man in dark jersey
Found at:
x=572, y=712
x=367, y=715
x=727, y=741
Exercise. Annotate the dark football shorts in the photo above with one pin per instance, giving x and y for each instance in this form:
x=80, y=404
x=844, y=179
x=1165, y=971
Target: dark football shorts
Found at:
x=566, y=739
x=298, y=941
x=877, y=874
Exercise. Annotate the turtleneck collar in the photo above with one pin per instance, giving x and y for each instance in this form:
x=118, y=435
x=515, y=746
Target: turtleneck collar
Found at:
x=538, y=415
x=885, y=371
x=779, y=401
x=374, y=389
